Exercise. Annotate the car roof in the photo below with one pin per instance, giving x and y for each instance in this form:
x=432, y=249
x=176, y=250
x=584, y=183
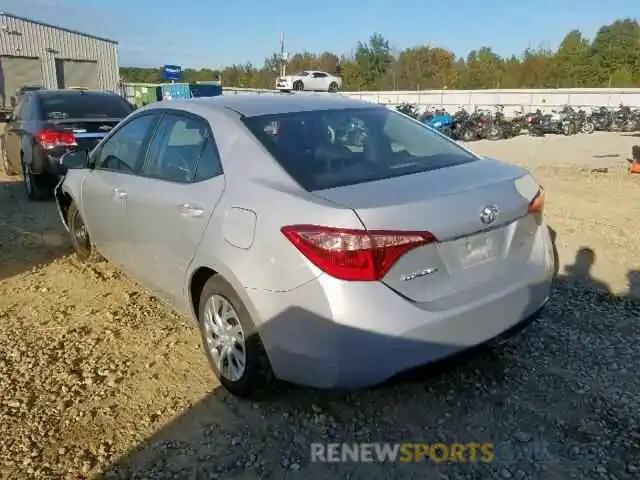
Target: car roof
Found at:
x=253, y=105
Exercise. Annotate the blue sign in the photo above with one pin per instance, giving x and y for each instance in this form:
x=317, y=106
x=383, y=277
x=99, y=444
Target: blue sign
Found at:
x=172, y=73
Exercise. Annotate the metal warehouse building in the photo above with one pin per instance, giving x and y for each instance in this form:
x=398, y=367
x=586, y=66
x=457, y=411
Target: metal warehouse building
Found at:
x=36, y=54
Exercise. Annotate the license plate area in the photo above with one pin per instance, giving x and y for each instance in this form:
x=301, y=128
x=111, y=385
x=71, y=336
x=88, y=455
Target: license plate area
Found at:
x=474, y=250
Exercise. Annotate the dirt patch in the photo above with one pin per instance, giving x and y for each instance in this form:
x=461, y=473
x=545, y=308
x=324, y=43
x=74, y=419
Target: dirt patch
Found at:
x=588, y=210
x=98, y=376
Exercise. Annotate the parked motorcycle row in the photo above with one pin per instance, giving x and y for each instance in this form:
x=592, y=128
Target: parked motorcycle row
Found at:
x=484, y=124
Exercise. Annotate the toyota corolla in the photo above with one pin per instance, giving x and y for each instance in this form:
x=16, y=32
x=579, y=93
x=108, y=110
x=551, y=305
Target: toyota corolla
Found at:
x=323, y=241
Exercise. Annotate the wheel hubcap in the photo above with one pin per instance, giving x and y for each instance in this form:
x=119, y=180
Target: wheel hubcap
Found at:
x=81, y=235
x=224, y=338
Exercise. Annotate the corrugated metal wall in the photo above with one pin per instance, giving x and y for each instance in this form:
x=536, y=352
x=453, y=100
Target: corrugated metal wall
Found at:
x=16, y=72
x=20, y=37
x=77, y=73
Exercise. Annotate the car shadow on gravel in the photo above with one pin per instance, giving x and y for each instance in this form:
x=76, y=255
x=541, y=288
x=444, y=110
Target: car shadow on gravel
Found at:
x=30, y=232
x=559, y=400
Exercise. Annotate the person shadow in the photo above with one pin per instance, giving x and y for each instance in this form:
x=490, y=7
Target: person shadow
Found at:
x=581, y=268
x=633, y=277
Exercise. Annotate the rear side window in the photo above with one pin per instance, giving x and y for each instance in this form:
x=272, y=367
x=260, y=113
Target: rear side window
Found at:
x=333, y=148
x=85, y=105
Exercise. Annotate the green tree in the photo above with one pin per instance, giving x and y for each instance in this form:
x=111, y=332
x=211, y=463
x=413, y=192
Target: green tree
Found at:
x=612, y=59
x=616, y=47
x=373, y=60
x=483, y=69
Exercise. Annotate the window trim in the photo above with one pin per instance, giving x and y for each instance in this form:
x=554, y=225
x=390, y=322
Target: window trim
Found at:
x=96, y=153
x=164, y=112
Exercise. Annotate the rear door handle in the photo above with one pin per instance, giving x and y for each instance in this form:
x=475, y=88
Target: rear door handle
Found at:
x=192, y=211
x=119, y=193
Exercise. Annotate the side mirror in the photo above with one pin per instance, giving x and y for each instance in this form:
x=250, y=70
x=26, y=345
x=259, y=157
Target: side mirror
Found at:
x=75, y=160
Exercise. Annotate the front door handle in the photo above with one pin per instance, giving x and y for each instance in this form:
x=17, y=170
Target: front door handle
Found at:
x=192, y=211
x=119, y=193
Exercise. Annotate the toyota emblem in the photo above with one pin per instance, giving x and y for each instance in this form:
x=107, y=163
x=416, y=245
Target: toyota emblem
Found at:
x=489, y=214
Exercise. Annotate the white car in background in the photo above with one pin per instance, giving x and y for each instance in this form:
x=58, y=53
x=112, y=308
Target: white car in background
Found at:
x=309, y=80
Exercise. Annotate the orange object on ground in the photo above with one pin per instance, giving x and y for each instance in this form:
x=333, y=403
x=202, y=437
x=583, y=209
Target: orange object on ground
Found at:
x=634, y=161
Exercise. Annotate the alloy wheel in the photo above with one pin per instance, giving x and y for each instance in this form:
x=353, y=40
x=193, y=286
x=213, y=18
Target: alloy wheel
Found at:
x=225, y=338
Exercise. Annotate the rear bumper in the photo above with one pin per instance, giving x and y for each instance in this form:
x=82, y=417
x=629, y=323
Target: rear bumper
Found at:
x=48, y=162
x=333, y=334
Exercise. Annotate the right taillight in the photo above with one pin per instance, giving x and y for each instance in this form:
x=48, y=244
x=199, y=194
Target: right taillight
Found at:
x=55, y=138
x=537, y=203
x=356, y=255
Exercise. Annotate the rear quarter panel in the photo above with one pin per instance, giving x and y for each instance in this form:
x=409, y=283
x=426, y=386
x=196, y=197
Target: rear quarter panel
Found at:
x=257, y=184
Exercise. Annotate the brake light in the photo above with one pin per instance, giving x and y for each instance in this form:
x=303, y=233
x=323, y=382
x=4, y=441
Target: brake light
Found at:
x=55, y=138
x=537, y=204
x=346, y=254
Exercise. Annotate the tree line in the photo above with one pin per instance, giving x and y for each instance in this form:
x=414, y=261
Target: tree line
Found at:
x=611, y=59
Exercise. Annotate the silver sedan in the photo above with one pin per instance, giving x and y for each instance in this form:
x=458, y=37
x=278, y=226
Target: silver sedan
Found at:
x=324, y=241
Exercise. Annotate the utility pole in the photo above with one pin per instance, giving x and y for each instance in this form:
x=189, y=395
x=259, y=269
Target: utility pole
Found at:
x=284, y=57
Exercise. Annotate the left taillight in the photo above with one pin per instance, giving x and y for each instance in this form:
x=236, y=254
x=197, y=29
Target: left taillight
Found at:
x=354, y=255
x=536, y=205
x=56, y=138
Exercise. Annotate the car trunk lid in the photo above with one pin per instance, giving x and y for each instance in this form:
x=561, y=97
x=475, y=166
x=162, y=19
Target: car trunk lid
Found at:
x=457, y=205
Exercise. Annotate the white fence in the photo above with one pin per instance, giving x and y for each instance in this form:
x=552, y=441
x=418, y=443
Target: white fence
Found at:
x=513, y=100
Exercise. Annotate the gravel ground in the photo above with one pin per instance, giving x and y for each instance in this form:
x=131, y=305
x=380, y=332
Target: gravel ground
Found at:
x=99, y=378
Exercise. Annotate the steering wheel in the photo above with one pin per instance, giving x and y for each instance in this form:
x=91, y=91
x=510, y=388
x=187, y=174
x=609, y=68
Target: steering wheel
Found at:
x=116, y=163
x=179, y=163
x=332, y=134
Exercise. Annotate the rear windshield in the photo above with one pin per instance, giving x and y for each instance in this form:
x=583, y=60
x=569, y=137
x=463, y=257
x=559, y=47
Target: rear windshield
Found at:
x=59, y=107
x=334, y=148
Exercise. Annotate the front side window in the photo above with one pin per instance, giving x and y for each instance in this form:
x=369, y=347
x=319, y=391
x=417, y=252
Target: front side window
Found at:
x=177, y=148
x=333, y=148
x=122, y=151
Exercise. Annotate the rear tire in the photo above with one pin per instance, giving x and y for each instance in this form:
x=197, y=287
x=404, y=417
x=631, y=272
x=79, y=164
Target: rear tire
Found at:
x=38, y=187
x=256, y=378
x=333, y=87
x=298, y=86
x=80, y=239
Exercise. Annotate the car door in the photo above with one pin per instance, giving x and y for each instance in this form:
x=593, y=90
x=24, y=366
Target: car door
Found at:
x=172, y=201
x=116, y=162
x=13, y=135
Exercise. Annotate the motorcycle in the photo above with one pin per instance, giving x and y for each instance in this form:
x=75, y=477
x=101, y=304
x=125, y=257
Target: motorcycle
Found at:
x=584, y=122
x=466, y=127
x=408, y=109
x=439, y=120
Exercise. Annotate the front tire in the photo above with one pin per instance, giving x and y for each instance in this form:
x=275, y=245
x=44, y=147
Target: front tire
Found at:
x=298, y=86
x=38, y=187
x=231, y=341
